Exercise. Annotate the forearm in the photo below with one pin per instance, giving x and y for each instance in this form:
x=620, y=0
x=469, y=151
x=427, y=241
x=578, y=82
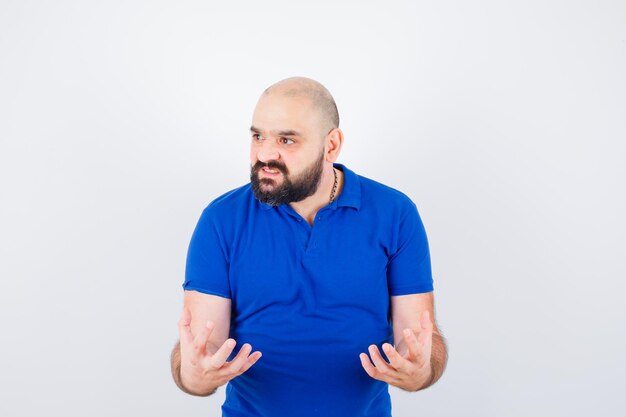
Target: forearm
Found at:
x=176, y=365
x=438, y=360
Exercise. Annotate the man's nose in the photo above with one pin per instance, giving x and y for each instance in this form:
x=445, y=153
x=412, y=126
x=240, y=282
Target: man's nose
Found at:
x=267, y=151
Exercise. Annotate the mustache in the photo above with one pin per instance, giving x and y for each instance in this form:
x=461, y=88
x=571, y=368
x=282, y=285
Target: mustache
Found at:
x=269, y=165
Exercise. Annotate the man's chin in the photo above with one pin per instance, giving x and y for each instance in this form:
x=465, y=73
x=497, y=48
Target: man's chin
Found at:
x=268, y=187
x=267, y=199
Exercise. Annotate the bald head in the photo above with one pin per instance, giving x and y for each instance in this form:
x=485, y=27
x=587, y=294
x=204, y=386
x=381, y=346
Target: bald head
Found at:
x=319, y=97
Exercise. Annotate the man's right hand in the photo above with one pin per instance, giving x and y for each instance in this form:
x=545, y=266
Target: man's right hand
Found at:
x=203, y=366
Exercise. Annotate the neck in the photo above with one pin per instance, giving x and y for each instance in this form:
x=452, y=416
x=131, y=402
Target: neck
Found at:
x=309, y=207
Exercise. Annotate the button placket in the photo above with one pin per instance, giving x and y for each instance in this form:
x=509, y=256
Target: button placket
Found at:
x=315, y=230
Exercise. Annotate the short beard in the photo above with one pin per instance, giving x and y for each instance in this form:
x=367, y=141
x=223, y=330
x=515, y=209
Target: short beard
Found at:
x=303, y=186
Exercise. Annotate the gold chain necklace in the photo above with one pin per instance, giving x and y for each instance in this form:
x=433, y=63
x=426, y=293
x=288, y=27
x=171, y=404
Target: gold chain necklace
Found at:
x=332, y=194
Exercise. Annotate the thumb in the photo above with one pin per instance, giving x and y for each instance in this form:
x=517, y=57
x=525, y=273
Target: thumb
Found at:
x=184, y=327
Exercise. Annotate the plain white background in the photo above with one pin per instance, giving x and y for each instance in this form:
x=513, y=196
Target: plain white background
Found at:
x=503, y=121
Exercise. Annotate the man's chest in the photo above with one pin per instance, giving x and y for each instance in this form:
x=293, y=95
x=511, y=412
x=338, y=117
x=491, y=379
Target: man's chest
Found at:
x=329, y=264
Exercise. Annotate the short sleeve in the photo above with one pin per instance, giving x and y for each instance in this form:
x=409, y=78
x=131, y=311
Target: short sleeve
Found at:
x=207, y=265
x=408, y=268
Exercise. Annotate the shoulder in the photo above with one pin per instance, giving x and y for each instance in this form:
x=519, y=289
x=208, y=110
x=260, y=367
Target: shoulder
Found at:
x=384, y=198
x=229, y=205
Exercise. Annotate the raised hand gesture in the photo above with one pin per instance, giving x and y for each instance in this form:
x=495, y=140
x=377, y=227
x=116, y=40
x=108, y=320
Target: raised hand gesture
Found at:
x=409, y=364
x=203, y=365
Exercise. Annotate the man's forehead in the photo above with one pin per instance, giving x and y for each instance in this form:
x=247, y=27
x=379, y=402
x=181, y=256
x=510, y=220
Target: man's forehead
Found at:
x=285, y=115
x=280, y=108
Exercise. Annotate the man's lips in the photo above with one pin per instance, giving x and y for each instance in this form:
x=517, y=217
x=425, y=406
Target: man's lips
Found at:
x=270, y=174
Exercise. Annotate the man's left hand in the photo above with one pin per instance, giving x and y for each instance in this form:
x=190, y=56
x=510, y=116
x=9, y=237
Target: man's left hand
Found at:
x=409, y=366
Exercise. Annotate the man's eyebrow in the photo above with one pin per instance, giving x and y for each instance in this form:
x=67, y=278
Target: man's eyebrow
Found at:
x=288, y=132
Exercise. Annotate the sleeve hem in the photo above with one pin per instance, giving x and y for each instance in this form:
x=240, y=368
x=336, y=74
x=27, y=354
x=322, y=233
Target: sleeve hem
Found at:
x=202, y=290
x=414, y=289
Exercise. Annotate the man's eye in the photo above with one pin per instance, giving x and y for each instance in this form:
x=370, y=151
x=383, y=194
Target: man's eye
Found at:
x=284, y=139
x=256, y=136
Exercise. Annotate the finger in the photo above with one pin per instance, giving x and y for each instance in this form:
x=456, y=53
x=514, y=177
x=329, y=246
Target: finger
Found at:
x=372, y=371
x=412, y=344
x=427, y=327
x=397, y=361
x=425, y=337
x=419, y=352
x=381, y=364
x=238, y=361
x=428, y=340
x=202, y=338
x=251, y=360
x=184, y=328
x=369, y=368
x=219, y=358
x=425, y=321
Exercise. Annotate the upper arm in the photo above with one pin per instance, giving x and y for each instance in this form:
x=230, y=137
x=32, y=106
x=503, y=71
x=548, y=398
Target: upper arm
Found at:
x=406, y=311
x=208, y=263
x=205, y=307
x=207, y=292
x=408, y=267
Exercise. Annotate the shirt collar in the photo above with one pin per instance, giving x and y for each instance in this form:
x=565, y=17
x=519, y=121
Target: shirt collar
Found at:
x=350, y=195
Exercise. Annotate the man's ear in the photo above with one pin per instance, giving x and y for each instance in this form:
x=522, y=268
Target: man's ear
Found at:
x=334, y=141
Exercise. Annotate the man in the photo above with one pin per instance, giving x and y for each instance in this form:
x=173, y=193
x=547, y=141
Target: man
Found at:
x=313, y=265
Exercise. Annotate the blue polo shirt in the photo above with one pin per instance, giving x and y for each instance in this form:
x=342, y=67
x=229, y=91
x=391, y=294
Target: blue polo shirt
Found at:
x=310, y=298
